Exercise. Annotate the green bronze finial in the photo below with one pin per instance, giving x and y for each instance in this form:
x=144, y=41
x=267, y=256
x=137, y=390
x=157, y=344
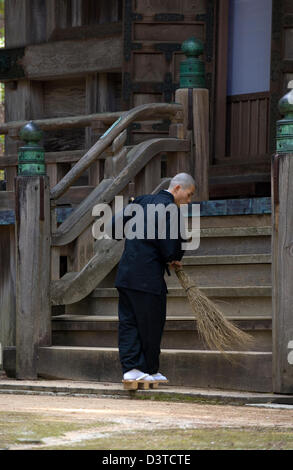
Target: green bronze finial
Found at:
x=31, y=157
x=285, y=126
x=192, y=70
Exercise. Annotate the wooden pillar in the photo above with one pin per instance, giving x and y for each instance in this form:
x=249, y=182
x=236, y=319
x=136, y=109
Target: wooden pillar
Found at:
x=32, y=241
x=194, y=98
x=282, y=251
x=195, y=103
x=33, y=310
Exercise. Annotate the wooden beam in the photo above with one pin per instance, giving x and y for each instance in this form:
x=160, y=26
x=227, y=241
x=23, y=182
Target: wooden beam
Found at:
x=72, y=58
x=221, y=81
x=85, y=32
x=33, y=312
x=282, y=273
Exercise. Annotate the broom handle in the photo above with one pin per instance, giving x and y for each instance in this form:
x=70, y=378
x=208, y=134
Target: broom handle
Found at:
x=180, y=274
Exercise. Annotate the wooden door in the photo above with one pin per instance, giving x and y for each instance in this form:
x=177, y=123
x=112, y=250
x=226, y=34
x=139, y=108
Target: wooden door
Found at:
x=153, y=32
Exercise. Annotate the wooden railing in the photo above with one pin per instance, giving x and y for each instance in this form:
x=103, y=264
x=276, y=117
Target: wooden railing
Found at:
x=143, y=112
x=41, y=243
x=58, y=162
x=125, y=169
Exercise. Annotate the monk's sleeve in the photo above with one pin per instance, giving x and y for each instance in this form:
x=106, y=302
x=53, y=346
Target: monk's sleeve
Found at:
x=170, y=246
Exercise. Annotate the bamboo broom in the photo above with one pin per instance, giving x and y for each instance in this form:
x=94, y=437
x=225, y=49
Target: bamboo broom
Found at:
x=216, y=331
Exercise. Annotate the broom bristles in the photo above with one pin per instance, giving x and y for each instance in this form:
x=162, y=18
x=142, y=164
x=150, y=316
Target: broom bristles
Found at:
x=213, y=327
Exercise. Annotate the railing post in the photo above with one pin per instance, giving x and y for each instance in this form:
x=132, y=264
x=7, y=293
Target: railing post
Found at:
x=194, y=97
x=32, y=215
x=282, y=249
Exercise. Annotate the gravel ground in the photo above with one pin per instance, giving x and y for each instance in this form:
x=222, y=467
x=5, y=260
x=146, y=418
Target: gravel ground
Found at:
x=108, y=418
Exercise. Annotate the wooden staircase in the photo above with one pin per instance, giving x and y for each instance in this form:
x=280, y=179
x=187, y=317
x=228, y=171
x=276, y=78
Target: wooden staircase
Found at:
x=232, y=266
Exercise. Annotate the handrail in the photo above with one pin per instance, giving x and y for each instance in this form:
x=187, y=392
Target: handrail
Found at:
x=63, y=123
x=138, y=157
x=145, y=112
x=76, y=286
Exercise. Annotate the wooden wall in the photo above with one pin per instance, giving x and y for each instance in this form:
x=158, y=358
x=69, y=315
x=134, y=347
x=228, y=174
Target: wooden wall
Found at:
x=247, y=135
x=153, y=32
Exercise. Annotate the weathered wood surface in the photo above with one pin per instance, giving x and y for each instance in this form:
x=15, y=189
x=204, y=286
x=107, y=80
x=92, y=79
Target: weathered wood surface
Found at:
x=282, y=272
x=7, y=200
x=201, y=141
x=33, y=312
x=141, y=112
x=137, y=158
x=195, y=104
x=81, y=217
x=76, y=286
x=69, y=122
x=72, y=58
x=248, y=126
x=7, y=290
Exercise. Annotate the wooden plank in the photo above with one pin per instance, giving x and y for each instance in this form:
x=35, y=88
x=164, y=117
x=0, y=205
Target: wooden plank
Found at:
x=16, y=14
x=84, y=249
x=115, y=164
x=234, y=130
x=7, y=200
x=263, y=126
x=78, y=285
x=248, y=97
x=254, y=119
x=88, y=31
x=234, y=167
x=7, y=287
x=64, y=98
x=164, y=32
x=201, y=142
x=234, y=179
x=186, y=7
x=69, y=58
x=75, y=195
x=245, y=128
x=232, y=190
x=91, y=105
x=81, y=218
x=221, y=81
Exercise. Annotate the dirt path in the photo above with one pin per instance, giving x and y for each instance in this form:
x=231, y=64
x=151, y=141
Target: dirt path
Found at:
x=133, y=411
x=116, y=415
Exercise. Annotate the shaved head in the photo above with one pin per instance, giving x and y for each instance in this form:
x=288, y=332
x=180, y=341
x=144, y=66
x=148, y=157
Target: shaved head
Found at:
x=182, y=179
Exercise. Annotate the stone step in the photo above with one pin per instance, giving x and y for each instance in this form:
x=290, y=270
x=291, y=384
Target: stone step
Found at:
x=179, y=333
x=221, y=270
x=213, y=232
x=236, y=370
x=233, y=241
x=233, y=301
x=233, y=221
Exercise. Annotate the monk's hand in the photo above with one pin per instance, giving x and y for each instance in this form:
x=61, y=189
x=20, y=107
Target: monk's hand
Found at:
x=175, y=264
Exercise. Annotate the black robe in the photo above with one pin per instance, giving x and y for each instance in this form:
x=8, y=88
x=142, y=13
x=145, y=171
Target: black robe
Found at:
x=144, y=261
